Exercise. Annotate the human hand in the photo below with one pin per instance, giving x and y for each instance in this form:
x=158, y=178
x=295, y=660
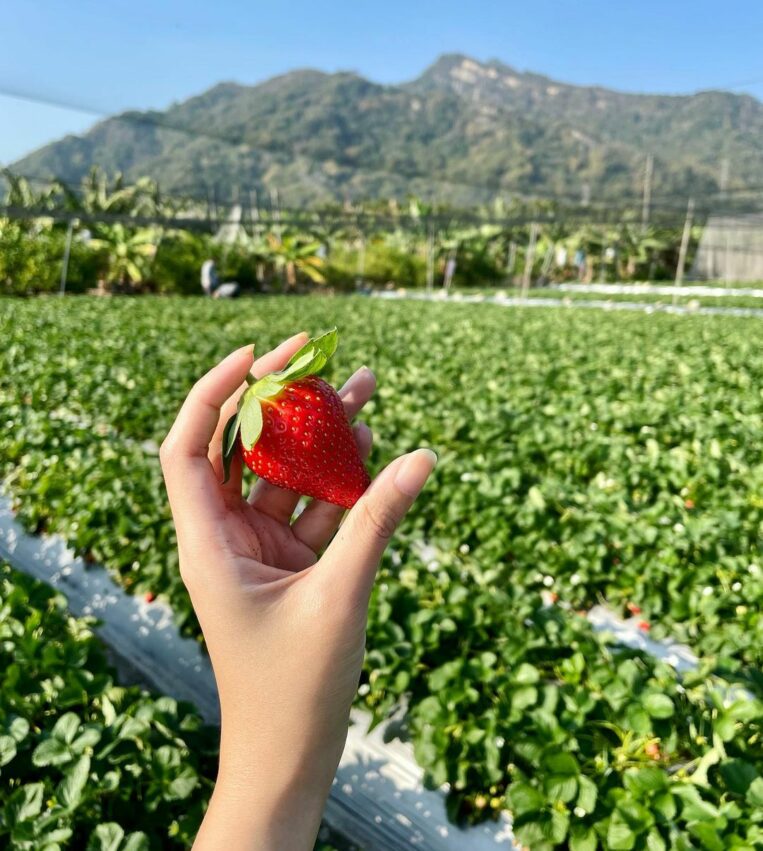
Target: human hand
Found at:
x=284, y=625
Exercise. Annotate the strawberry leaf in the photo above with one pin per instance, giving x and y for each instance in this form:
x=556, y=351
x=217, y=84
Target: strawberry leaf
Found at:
x=229, y=444
x=311, y=358
x=251, y=421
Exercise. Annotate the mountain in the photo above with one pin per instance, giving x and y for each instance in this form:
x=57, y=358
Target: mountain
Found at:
x=463, y=132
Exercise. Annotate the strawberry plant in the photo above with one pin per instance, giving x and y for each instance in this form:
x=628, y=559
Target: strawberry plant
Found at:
x=85, y=763
x=590, y=456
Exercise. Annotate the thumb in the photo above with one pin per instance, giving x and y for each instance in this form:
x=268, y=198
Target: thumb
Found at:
x=356, y=549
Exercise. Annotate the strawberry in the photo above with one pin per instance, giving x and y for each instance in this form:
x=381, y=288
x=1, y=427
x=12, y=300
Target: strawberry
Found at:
x=293, y=431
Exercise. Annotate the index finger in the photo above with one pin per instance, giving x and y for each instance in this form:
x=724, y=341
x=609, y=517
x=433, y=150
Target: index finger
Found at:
x=184, y=451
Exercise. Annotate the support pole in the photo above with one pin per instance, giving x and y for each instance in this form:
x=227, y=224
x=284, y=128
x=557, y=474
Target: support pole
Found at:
x=684, y=243
x=67, y=252
x=529, y=258
x=430, y=258
x=510, y=263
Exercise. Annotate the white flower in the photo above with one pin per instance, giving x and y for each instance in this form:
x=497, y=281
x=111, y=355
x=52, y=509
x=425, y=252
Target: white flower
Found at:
x=433, y=565
x=594, y=426
x=753, y=569
x=737, y=586
x=576, y=579
x=500, y=741
x=579, y=812
x=364, y=689
x=548, y=581
x=679, y=527
x=707, y=591
x=741, y=610
x=464, y=549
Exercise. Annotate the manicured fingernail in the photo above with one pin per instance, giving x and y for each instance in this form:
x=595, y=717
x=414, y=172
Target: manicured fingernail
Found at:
x=414, y=471
x=355, y=377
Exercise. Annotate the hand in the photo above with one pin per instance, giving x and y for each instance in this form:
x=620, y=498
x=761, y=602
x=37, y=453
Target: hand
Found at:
x=285, y=626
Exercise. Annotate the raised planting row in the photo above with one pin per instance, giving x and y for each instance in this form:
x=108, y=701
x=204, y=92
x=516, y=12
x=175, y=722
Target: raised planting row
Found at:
x=657, y=299
x=590, y=455
x=84, y=762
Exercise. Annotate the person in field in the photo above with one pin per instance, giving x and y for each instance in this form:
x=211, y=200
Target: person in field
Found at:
x=210, y=282
x=282, y=603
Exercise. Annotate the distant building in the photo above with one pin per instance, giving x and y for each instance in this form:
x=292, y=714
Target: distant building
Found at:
x=731, y=249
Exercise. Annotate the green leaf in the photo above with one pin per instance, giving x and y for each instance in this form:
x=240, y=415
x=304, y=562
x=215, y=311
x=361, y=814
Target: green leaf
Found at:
x=526, y=674
x=588, y=794
x=230, y=435
x=536, y=499
x=51, y=752
x=654, y=841
x=18, y=728
x=182, y=785
x=561, y=788
x=524, y=798
x=137, y=841
x=620, y=836
x=755, y=792
x=66, y=727
x=648, y=779
x=106, y=837
x=665, y=805
x=659, y=705
x=311, y=358
x=251, y=421
x=583, y=839
x=738, y=774
x=557, y=826
x=71, y=787
x=7, y=749
x=564, y=764
x=694, y=807
x=25, y=803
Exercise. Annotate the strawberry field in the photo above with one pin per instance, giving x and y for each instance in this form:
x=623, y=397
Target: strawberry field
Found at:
x=584, y=458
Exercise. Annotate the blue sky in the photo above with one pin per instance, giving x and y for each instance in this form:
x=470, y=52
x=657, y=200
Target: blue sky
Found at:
x=111, y=54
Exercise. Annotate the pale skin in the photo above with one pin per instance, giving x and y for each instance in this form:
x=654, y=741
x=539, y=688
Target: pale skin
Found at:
x=282, y=604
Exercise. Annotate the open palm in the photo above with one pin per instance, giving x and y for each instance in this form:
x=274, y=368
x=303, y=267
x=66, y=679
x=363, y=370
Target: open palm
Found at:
x=285, y=627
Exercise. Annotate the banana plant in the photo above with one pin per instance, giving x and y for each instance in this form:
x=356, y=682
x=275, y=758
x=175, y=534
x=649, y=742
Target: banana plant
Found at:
x=128, y=251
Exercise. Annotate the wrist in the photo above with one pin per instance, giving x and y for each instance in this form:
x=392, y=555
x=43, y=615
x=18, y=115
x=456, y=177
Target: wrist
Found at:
x=251, y=815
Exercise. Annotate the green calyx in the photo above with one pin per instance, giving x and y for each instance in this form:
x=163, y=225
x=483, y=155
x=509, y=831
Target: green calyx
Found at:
x=247, y=420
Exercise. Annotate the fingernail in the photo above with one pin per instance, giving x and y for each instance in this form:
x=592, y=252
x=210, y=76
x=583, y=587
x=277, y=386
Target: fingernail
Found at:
x=350, y=383
x=414, y=471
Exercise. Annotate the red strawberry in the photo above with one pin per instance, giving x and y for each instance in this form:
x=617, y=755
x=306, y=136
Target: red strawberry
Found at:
x=633, y=609
x=644, y=626
x=294, y=432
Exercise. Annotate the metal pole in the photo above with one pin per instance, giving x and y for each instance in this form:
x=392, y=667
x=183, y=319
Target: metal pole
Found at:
x=684, y=243
x=510, y=263
x=529, y=257
x=67, y=252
